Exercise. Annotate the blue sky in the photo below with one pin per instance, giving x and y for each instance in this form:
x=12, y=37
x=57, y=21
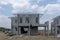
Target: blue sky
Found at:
x=49, y=9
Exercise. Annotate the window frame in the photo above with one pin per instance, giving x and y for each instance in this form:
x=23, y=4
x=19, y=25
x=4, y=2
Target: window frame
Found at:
x=27, y=20
x=20, y=19
x=37, y=20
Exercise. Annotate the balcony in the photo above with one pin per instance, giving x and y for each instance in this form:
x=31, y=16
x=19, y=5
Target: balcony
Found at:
x=27, y=24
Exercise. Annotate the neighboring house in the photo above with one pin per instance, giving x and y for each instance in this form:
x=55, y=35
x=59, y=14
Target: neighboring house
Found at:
x=25, y=24
x=52, y=28
x=55, y=26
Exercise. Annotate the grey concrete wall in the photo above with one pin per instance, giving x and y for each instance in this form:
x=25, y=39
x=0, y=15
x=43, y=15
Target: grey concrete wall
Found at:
x=32, y=19
x=34, y=31
x=52, y=28
x=55, y=25
x=13, y=26
x=57, y=21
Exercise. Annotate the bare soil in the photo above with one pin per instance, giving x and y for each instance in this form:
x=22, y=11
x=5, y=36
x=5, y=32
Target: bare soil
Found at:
x=38, y=37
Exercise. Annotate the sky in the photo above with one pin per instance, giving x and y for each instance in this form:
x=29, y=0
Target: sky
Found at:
x=49, y=9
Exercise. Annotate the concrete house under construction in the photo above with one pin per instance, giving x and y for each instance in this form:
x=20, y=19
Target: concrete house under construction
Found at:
x=25, y=24
x=55, y=26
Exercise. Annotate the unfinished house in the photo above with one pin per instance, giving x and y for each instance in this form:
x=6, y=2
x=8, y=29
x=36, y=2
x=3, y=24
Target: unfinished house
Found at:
x=25, y=24
x=55, y=26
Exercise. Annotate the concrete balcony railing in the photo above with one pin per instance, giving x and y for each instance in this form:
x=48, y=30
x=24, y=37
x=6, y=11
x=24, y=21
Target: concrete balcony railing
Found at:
x=57, y=24
x=42, y=25
x=27, y=24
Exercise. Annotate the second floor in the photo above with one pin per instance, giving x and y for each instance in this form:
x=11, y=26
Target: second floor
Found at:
x=56, y=21
x=25, y=19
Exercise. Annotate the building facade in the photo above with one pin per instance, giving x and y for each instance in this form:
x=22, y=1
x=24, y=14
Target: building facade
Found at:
x=55, y=26
x=25, y=24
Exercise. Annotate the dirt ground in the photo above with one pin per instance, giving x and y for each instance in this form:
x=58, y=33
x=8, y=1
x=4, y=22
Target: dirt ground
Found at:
x=5, y=37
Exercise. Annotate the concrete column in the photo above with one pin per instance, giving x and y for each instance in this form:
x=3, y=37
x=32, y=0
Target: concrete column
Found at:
x=51, y=29
x=48, y=30
x=17, y=30
x=18, y=25
x=29, y=30
x=56, y=31
x=45, y=30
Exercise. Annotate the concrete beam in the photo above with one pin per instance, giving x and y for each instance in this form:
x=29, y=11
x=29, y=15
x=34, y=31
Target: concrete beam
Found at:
x=42, y=25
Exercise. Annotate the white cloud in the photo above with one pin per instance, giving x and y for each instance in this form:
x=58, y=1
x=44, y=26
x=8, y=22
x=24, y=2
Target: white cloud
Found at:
x=19, y=3
x=5, y=21
x=24, y=5
x=29, y=8
x=3, y=2
x=51, y=8
x=41, y=9
x=34, y=6
x=16, y=4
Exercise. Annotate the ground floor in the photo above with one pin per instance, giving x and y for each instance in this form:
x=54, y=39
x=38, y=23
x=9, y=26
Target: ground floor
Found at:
x=28, y=30
x=25, y=30
x=58, y=30
x=55, y=30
